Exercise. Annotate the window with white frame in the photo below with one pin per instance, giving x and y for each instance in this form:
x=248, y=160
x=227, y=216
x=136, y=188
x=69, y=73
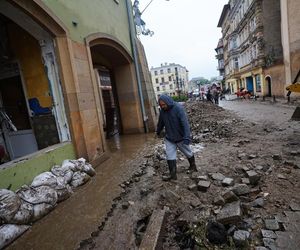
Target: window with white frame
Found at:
x=236, y=63
x=258, y=83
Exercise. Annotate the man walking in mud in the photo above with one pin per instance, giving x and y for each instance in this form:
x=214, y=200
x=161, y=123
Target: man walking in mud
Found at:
x=173, y=118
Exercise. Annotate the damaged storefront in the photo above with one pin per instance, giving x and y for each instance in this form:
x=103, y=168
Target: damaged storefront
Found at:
x=32, y=113
x=67, y=82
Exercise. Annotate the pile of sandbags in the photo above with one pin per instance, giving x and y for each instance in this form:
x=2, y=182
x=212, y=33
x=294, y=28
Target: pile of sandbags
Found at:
x=30, y=203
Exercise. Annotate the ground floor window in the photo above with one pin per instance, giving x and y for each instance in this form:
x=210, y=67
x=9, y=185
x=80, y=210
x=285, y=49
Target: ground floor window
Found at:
x=258, y=83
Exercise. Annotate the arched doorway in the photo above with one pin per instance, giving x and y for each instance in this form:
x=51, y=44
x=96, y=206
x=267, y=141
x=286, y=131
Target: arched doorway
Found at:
x=114, y=70
x=269, y=86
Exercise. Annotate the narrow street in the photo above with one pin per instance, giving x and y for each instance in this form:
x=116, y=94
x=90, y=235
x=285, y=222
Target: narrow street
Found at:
x=83, y=163
x=112, y=211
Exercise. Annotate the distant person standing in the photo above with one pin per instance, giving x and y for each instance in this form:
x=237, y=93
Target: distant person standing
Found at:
x=216, y=95
x=209, y=96
x=173, y=118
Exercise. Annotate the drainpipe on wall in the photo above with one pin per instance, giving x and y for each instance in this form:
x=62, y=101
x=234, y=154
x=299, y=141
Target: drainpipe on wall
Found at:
x=135, y=58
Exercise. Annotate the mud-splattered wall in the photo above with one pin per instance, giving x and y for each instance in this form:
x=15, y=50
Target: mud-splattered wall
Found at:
x=14, y=175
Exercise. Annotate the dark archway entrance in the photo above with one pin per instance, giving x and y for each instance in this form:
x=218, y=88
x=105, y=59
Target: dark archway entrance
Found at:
x=119, y=99
x=269, y=86
x=109, y=102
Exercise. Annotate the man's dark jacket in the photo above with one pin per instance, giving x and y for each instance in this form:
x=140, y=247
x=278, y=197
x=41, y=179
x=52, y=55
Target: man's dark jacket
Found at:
x=174, y=120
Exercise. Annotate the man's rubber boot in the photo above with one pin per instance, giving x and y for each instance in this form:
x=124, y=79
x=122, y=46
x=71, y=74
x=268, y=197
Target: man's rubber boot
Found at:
x=172, y=169
x=192, y=164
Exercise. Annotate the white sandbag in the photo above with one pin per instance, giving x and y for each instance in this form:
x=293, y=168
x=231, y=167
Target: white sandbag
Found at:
x=88, y=169
x=9, y=232
x=58, y=170
x=64, y=193
x=40, y=210
x=62, y=172
x=24, y=214
x=69, y=165
x=79, y=164
x=81, y=160
x=42, y=194
x=9, y=204
x=68, y=176
x=79, y=178
x=44, y=179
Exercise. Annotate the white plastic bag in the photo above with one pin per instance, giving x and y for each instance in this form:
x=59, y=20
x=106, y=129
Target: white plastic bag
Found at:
x=64, y=193
x=79, y=178
x=68, y=165
x=9, y=232
x=24, y=214
x=9, y=204
x=66, y=173
x=40, y=210
x=88, y=169
x=44, y=179
x=42, y=194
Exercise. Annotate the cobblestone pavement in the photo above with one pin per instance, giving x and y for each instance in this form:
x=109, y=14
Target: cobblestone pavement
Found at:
x=289, y=239
x=287, y=236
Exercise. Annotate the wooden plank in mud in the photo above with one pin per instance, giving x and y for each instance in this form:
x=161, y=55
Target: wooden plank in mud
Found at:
x=151, y=237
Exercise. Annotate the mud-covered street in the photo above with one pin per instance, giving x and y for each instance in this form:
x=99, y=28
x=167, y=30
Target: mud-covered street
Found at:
x=244, y=195
x=248, y=178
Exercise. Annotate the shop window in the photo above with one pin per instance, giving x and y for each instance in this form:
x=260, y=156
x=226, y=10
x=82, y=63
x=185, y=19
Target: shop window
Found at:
x=258, y=83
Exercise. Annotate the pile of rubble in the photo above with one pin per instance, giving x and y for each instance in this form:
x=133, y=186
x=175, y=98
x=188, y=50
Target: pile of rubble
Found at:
x=210, y=122
x=228, y=204
x=30, y=203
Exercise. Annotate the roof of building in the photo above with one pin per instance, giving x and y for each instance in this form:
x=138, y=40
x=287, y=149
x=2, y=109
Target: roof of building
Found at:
x=223, y=15
x=168, y=65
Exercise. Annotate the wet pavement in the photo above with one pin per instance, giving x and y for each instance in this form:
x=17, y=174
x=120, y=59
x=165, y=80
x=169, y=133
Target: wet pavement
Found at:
x=257, y=111
x=75, y=219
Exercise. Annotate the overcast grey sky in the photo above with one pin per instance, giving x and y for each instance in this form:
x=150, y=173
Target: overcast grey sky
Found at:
x=185, y=32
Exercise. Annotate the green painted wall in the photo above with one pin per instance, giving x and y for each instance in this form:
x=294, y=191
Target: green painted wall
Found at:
x=17, y=174
x=93, y=16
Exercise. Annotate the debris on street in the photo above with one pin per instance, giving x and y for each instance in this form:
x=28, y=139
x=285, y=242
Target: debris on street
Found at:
x=214, y=208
